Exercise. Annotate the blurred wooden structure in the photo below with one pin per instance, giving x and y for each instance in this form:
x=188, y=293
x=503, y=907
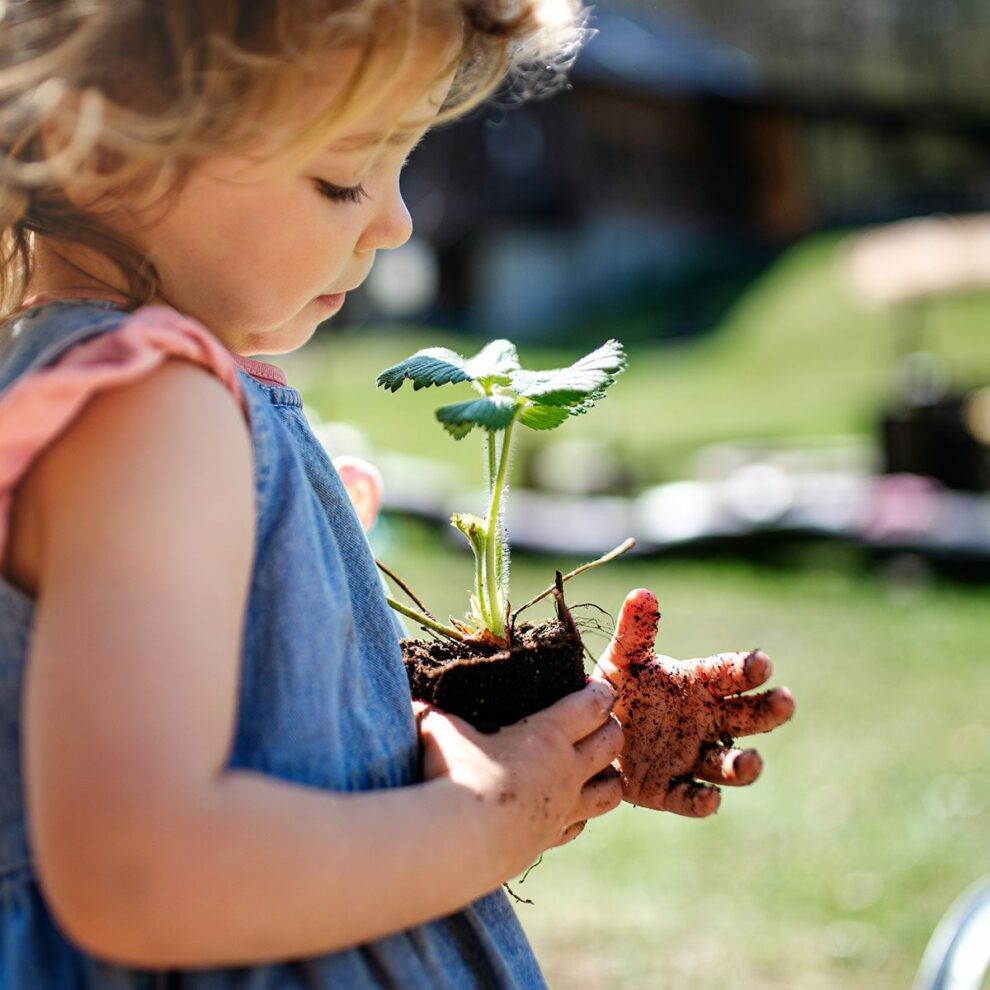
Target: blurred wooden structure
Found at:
x=666, y=177
x=931, y=426
x=921, y=258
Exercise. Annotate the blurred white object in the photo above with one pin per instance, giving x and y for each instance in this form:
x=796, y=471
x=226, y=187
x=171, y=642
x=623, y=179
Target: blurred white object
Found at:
x=405, y=281
x=342, y=438
x=554, y=523
x=958, y=955
x=578, y=467
x=759, y=493
x=364, y=485
x=913, y=259
x=683, y=510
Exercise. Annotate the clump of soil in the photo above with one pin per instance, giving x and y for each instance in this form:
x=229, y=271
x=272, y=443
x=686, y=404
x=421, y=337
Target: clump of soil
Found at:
x=492, y=687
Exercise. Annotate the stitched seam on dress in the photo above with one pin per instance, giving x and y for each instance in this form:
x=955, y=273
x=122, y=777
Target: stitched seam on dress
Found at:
x=260, y=438
x=282, y=396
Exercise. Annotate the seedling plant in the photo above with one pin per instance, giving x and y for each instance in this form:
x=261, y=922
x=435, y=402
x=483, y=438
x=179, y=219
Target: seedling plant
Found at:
x=507, y=396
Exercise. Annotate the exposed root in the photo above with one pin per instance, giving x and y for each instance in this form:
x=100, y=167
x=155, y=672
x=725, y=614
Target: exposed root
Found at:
x=515, y=896
x=611, y=555
x=563, y=612
x=405, y=587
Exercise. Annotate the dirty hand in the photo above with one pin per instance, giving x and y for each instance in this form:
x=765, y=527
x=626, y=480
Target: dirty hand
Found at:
x=680, y=717
x=542, y=778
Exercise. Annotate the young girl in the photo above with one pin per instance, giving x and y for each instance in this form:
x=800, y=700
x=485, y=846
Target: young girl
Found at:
x=212, y=772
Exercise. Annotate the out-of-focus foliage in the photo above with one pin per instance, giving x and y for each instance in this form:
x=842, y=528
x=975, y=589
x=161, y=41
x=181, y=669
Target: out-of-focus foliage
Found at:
x=870, y=817
x=797, y=357
x=893, y=52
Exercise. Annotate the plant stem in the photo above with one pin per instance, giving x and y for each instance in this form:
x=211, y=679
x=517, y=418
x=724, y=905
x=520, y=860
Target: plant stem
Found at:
x=491, y=461
x=424, y=621
x=479, y=587
x=611, y=555
x=494, y=606
x=487, y=605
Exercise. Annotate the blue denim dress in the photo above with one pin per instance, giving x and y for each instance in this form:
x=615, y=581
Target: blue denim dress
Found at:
x=323, y=701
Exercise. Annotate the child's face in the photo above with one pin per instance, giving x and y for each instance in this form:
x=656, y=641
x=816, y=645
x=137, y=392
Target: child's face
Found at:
x=248, y=256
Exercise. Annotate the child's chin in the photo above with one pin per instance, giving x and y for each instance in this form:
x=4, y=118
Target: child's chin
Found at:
x=331, y=304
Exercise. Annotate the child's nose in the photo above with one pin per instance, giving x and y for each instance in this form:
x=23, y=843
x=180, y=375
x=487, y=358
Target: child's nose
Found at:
x=390, y=227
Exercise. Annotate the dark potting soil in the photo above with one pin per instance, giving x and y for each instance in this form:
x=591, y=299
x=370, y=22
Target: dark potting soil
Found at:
x=544, y=663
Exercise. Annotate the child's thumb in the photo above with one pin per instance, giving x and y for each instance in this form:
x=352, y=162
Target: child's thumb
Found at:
x=440, y=725
x=442, y=737
x=420, y=710
x=635, y=632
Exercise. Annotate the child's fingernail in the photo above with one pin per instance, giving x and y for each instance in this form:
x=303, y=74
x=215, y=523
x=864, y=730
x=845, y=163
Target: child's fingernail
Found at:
x=605, y=693
x=758, y=660
x=783, y=700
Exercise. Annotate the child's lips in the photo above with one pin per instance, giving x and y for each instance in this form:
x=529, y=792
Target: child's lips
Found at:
x=333, y=302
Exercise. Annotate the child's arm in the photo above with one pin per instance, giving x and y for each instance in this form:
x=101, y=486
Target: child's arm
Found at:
x=680, y=717
x=149, y=851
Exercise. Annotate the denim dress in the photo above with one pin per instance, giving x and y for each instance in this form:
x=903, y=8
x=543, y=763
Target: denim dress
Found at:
x=323, y=701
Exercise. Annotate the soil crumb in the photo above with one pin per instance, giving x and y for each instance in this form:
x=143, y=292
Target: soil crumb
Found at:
x=545, y=663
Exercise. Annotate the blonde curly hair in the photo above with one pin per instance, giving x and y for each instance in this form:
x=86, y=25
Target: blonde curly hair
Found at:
x=150, y=88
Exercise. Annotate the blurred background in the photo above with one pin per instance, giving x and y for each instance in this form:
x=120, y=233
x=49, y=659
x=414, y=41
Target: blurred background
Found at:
x=779, y=209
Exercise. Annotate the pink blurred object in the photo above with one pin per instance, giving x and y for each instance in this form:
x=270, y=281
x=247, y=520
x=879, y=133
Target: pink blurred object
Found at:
x=364, y=485
x=901, y=505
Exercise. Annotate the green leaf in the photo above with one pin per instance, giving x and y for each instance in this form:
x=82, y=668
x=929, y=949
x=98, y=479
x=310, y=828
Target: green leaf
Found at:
x=538, y=417
x=580, y=408
x=458, y=430
x=493, y=412
x=442, y=366
x=583, y=380
x=494, y=363
x=430, y=366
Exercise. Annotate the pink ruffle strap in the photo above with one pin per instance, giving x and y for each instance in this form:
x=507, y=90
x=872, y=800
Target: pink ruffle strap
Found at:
x=40, y=405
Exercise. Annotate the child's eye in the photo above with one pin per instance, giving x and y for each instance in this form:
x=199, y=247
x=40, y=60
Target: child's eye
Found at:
x=341, y=194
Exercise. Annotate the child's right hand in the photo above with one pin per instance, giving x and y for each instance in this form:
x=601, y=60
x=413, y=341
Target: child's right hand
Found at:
x=537, y=778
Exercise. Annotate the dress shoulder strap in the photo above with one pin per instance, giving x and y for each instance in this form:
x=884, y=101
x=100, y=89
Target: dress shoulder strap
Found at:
x=69, y=355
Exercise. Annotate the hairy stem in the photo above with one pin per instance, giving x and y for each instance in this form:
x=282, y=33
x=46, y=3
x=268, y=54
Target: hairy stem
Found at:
x=491, y=462
x=488, y=601
x=437, y=627
x=479, y=587
x=494, y=605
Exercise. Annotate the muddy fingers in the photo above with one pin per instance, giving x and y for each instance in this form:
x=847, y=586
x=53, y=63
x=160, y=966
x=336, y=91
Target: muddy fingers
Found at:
x=602, y=746
x=757, y=713
x=570, y=833
x=734, y=767
x=693, y=800
x=602, y=794
x=733, y=673
x=635, y=632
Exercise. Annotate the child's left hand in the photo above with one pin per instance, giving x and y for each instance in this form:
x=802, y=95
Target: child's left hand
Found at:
x=680, y=717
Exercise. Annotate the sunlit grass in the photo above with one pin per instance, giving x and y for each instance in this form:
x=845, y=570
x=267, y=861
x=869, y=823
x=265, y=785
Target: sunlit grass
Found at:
x=798, y=357
x=870, y=818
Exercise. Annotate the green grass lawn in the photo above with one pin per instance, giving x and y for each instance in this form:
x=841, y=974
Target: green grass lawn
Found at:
x=874, y=807
x=872, y=813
